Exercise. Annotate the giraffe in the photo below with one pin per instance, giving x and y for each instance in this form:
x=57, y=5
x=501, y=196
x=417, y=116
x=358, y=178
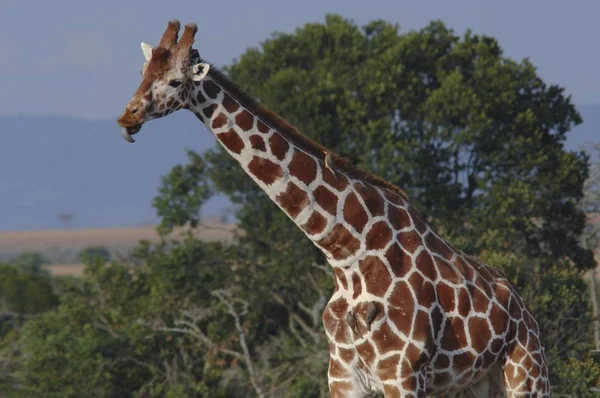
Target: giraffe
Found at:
x=410, y=314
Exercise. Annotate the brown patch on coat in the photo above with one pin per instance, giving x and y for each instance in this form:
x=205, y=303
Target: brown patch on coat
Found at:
x=399, y=261
x=438, y=246
x=219, y=121
x=425, y=264
x=337, y=181
x=386, y=340
x=454, y=335
x=263, y=128
x=442, y=361
x=279, y=146
x=315, y=223
x=258, y=143
x=354, y=212
x=200, y=97
x=375, y=274
x=232, y=141
x=303, y=167
x=334, y=320
x=244, y=120
x=209, y=110
x=464, y=302
x=293, y=200
x=373, y=200
x=401, y=307
x=337, y=369
x=346, y=354
x=424, y=290
x=410, y=240
x=480, y=301
x=398, y=217
x=211, y=89
x=366, y=352
x=417, y=220
x=463, y=361
x=378, y=236
x=230, y=104
x=422, y=330
x=340, y=243
x=386, y=368
x=481, y=335
x=446, y=297
x=326, y=199
x=265, y=170
x=356, y=285
x=498, y=319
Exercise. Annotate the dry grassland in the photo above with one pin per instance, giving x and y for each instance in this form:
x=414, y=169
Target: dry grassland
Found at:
x=112, y=238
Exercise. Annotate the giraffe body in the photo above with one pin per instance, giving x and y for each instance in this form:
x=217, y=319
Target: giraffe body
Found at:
x=410, y=315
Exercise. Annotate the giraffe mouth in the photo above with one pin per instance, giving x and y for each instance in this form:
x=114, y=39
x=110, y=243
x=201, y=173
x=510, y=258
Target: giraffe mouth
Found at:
x=127, y=132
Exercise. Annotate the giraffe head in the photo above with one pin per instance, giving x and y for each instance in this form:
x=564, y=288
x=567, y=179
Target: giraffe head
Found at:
x=169, y=74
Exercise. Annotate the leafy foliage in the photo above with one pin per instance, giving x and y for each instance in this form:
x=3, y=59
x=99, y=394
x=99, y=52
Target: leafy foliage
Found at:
x=22, y=296
x=95, y=252
x=22, y=293
x=181, y=194
x=30, y=262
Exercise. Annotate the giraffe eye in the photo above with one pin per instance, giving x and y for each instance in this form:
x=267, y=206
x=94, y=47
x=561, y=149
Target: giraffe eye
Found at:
x=175, y=83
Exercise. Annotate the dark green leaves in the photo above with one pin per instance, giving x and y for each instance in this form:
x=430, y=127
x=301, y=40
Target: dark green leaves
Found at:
x=182, y=193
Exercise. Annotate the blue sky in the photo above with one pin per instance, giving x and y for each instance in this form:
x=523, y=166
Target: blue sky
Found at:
x=82, y=58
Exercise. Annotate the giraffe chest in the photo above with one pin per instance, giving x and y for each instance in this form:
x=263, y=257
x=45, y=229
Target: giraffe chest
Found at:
x=381, y=306
x=396, y=325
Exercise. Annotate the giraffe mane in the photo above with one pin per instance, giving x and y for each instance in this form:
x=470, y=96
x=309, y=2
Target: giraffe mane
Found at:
x=302, y=141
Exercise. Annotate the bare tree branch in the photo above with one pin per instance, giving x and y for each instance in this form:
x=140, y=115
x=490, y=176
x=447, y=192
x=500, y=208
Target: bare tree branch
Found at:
x=315, y=334
x=323, y=268
x=229, y=302
x=316, y=310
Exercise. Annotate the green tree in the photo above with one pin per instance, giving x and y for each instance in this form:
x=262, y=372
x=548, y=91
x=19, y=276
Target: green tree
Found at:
x=182, y=193
x=22, y=296
x=23, y=293
x=91, y=252
x=31, y=262
x=150, y=330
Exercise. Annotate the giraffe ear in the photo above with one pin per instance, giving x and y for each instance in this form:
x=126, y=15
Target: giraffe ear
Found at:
x=147, y=50
x=199, y=71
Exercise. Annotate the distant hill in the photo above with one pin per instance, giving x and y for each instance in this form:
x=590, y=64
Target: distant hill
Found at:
x=62, y=246
x=51, y=165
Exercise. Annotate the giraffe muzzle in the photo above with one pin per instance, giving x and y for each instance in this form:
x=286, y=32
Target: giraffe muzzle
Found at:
x=131, y=122
x=127, y=132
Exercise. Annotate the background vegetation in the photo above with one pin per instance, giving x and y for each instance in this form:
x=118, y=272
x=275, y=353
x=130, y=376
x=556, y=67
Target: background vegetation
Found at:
x=475, y=138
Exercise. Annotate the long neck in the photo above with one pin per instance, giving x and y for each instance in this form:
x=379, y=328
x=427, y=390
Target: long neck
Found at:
x=334, y=209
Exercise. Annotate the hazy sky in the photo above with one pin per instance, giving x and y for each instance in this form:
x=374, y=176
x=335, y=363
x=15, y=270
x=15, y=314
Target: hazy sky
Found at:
x=82, y=58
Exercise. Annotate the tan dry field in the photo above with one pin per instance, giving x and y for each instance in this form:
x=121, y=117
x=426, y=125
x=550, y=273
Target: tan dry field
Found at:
x=117, y=238
x=110, y=237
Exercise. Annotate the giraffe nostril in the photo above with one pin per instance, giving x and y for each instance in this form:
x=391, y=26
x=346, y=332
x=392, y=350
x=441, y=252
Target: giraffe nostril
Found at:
x=134, y=111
